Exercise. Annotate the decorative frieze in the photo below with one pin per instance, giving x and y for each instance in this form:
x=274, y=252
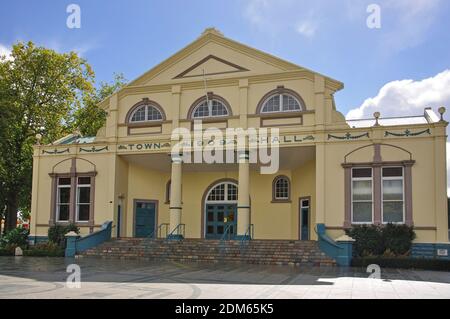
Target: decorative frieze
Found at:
x=56, y=151
x=93, y=149
x=407, y=133
x=348, y=136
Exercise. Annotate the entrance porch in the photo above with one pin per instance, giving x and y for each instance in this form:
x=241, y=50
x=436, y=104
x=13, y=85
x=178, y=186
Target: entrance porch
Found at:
x=217, y=201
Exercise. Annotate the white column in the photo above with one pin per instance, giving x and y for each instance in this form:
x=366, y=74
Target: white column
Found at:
x=175, y=196
x=243, y=221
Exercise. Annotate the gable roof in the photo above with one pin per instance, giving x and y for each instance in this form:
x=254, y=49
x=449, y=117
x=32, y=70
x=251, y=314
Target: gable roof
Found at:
x=211, y=35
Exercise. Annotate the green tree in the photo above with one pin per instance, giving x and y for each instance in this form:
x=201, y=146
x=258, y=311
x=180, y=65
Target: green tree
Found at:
x=40, y=90
x=90, y=117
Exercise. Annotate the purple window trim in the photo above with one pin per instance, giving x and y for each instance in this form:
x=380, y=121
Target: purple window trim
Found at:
x=377, y=196
x=73, y=175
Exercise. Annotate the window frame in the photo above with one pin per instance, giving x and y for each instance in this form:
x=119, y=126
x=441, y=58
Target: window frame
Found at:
x=210, y=96
x=281, y=96
x=371, y=179
x=281, y=90
x=226, y=197
x=78, y=203
x=393, y=178
x=58, y=204
x=73, y=210
x=144, y=103
x=146, y=112
x=275, y=181
x=377, y=166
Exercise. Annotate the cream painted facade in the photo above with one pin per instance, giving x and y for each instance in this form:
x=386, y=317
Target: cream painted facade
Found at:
x=129, y=162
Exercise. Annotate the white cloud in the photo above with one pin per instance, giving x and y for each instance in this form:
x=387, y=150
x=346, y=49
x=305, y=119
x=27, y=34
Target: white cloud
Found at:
x=307, y=28
x=407, y=97
x=5, y=51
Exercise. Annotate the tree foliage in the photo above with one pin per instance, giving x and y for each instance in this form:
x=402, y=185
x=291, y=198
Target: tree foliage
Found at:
x=40, y=90
x=90, y=118
x=48, y=93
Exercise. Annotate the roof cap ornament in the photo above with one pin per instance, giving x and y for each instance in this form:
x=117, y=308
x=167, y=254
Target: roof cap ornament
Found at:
x=377, y=115
x=212, y=30
x=38, y=139
x=442, y=111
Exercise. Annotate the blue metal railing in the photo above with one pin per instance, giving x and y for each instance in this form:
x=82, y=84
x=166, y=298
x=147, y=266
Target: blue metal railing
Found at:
x=341, y=251
x=157, y=233
x=166, y=227
x=227, y=235
x=249, y=234
x=180, y=230
x=76, y=245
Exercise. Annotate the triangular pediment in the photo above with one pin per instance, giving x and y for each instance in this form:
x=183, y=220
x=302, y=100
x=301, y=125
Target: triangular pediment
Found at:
x=218, y=56
x=211, y=65
x=215, y=56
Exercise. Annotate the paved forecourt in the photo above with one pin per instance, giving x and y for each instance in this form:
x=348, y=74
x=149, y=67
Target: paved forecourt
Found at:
x=27, y=277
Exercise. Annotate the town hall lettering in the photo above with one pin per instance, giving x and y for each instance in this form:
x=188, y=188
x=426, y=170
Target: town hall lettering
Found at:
x=213, y=142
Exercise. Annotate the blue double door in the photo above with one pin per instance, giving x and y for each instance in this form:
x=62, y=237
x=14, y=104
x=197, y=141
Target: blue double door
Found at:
x=145, y=219
x=219, y=218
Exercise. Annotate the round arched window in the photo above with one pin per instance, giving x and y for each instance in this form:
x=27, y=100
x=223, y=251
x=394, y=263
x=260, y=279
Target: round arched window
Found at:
x=281, y=100
x=281, y=103
x=210, y=108
x=146, y=113
x=224, y=192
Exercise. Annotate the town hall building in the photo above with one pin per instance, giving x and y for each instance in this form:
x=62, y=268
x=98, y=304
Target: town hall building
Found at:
x=332, y=172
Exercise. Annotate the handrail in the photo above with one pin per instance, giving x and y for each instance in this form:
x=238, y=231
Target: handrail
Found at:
x=249, y=234
x=326, y=238
x=76, y=244
x=226, y=233
x=340, y=250
x=166, y=225
x=180, y=228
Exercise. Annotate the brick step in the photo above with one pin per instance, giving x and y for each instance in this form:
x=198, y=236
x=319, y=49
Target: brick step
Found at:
x=266, y=252
x=207, y=252
x=300, y=258
x=212, y=258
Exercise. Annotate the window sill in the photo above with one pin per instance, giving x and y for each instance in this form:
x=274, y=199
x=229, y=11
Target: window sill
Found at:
x=281, y=201
x=78, y=224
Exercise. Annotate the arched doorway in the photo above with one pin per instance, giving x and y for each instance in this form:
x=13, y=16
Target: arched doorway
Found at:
x=220, y=209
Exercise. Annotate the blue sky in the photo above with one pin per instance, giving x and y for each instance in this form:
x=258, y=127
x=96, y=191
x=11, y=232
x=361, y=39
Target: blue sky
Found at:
x=329, y=36
x=398, y=69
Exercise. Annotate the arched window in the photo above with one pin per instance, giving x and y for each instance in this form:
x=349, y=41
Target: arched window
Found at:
x=214, y=106
x=145, y=111
x=281, y=189
x=281, y=100
x=224, y=192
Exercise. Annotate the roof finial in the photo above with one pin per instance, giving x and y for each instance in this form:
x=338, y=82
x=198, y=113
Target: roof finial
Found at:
x=442, y=111
x=376, y=115
x=212, y=30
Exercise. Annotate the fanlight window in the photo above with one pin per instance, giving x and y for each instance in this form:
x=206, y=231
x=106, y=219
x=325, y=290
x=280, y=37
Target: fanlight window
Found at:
x=214, y=108
x=281, y=103
x=225, y=192
x=146, y=113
